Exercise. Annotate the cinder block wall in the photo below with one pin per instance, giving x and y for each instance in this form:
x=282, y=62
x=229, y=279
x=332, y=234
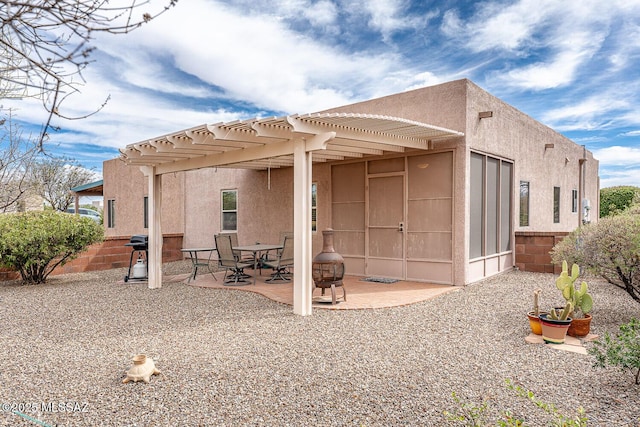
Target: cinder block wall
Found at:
x=532, y=251
x=111, y=253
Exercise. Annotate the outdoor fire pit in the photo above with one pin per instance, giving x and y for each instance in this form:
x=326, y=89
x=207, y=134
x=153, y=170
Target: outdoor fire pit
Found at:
x=328, y=268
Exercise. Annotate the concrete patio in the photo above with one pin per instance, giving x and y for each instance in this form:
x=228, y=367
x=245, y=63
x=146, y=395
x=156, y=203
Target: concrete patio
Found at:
x=360, y=294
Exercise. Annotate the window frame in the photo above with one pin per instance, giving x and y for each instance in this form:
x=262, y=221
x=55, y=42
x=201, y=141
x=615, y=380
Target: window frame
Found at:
x=556, y=204
x=314, y=207
x=525, y=199
x=489, y=176
x=111, y=213
x=224, y=211
x=574, y=201
x=145, y=212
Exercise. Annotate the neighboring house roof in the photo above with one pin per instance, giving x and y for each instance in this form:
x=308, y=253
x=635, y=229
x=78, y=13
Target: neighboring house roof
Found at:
x=90, y=189
x=269, y=142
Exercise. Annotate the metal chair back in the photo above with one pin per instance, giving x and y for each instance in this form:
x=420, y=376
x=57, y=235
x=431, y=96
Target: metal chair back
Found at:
x=286, y=256
x=226, y=257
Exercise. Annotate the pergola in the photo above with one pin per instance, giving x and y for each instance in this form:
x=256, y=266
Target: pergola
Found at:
x=295, y=140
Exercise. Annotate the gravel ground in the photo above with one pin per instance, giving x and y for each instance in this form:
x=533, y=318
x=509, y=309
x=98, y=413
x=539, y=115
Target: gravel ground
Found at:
x=234, y=358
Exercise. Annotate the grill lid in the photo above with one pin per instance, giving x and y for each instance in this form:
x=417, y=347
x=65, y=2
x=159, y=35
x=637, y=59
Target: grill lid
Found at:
x=138, y=241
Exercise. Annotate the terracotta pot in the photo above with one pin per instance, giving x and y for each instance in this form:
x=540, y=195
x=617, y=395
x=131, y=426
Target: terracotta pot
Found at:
x=554, y=331
x=534, y=322
x=580, y=327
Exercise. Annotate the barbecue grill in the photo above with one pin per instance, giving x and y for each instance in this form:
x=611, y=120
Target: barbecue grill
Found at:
x=139, y=243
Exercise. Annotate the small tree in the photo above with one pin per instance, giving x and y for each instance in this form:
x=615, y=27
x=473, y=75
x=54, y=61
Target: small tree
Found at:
x=17, y=155
x=614, y=200
x=35, y=243
x=609, y=248
x=53, y=178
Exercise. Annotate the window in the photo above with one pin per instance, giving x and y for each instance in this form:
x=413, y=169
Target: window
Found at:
x=476, y=241
x=314, y=206
x=111, y=213
x=229, y=210
x=524, y=203
x=145, y=208
x=493, y=201
x=556, y=205
x=574, y=201
x=490, y=204
x=506, y=190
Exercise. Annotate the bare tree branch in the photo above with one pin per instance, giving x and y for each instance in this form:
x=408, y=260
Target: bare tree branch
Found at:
x=45, y=45
x=17, y=155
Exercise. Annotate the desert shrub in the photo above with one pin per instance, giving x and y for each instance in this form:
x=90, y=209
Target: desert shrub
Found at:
x=614, y=200
x=633, y=209
x=610, y=248
x=622, y=351
x=35, y=243
x=476, y=415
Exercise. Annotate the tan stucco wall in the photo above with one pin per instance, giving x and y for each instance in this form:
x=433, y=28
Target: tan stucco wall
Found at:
x=513, y=135
x=265, y=204
x=128, y=186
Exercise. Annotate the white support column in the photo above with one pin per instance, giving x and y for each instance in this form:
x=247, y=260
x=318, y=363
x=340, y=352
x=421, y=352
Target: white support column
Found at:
x=302, y=229
x=154, y=263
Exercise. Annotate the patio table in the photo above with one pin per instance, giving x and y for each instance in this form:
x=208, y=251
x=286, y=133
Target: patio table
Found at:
x=193, y=255
x=256, y=249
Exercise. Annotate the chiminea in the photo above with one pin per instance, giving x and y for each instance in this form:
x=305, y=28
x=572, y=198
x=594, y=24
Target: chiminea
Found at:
x=328, y=268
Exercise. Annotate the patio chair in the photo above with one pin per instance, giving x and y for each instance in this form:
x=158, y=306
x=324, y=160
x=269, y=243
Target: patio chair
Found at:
x=283, y=262
x=270, y=255
x=238, y=254
x=228, y=261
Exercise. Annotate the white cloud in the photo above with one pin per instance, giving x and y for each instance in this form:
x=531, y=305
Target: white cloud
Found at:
x=618, y=156
x=565, y=34
x=321, y=14
x=496, y=26
x=563, y=66
x=619, y=165
x=616, y=177
x=591, y=113
x=387, y=16
x=256, y=60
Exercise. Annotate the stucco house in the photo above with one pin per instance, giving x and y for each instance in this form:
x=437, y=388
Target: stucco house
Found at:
x=432, y=185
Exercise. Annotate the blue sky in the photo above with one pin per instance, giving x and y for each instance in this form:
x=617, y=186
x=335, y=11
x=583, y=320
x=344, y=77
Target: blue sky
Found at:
x=573, y=65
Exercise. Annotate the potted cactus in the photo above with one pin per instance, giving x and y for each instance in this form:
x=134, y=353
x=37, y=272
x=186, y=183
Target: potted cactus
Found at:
x=534, y=315
x=580, y=299
x=555, y=324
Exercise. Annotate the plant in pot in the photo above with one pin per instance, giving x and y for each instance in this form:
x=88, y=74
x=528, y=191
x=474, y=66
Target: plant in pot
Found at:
x=580, y=299
x=534, y=315
x=555, y=324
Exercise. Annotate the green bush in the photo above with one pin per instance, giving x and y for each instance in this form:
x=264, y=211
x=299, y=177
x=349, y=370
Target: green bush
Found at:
x=609, y=248
x=622, y=351
x=34, y=243
x=614, y=200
